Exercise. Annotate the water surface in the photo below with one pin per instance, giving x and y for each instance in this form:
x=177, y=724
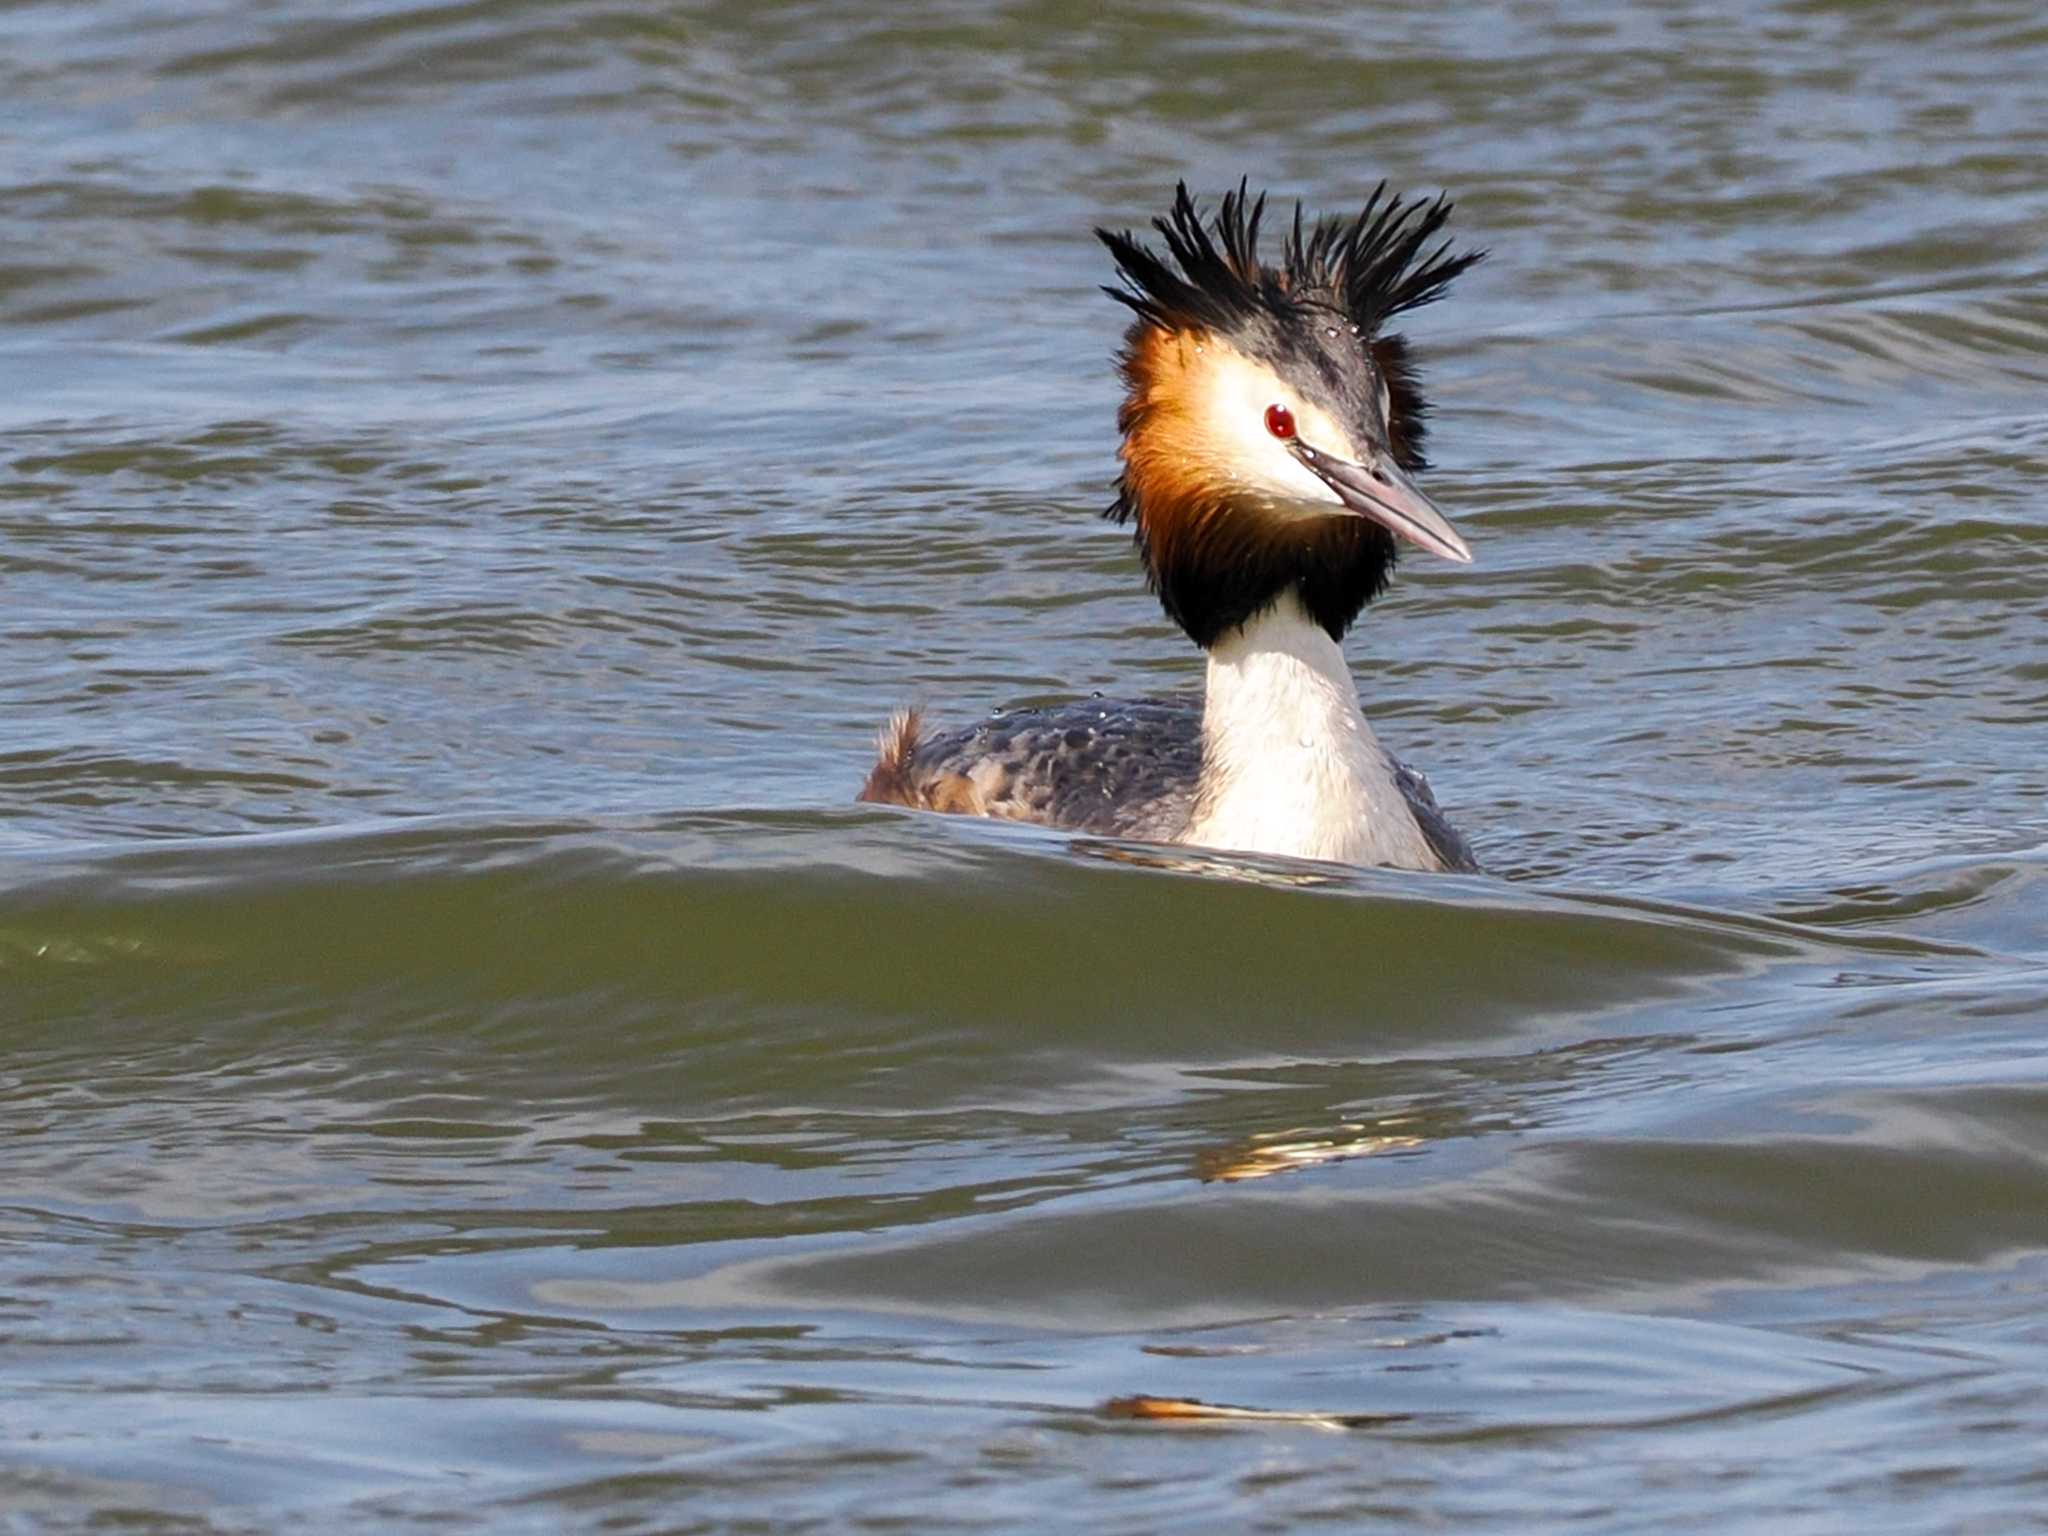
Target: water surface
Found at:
x=474, y=477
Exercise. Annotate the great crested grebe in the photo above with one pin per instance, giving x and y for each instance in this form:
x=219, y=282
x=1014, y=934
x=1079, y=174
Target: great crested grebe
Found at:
x=1271, y=428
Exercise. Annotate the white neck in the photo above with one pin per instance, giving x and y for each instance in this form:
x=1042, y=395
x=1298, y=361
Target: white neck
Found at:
x=1289, y=765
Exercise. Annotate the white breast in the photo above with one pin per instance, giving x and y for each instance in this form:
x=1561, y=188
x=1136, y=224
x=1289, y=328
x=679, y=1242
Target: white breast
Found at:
x=1289, y=765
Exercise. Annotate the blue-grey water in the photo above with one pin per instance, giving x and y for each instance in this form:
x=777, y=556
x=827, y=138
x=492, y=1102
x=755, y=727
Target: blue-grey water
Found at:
x=473, y=476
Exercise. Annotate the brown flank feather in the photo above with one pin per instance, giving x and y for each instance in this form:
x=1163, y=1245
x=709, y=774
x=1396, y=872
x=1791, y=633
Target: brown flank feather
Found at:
x=889, y=782
x=893, y=780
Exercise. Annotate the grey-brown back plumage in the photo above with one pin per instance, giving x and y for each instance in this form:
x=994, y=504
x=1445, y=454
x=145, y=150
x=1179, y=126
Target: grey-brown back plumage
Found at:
x=1113, y=767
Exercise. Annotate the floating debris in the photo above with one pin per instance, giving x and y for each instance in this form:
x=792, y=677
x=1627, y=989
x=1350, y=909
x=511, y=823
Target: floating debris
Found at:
x=1264, y=1156
x=1193, y=1409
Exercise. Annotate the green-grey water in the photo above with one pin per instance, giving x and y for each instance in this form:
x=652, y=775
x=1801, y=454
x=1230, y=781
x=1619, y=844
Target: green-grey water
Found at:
x=475, y=475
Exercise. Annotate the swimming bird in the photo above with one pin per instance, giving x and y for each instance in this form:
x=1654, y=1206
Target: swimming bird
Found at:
x=1272, y=431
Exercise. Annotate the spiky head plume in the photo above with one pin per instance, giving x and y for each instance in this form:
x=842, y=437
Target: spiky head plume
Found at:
x=1368, y=269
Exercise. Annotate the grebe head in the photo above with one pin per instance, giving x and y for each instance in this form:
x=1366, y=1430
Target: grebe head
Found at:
x=1271, y=427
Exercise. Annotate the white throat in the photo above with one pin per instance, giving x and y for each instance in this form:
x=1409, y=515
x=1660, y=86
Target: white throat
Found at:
x=1289, y=765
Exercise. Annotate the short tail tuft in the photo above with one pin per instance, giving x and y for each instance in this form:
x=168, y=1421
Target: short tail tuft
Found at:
x=890, y=783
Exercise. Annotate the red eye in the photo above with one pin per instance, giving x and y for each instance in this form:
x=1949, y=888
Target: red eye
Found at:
x=1280, y=421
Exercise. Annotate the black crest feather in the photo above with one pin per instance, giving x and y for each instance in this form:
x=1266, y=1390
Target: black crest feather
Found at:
x=1371, y=267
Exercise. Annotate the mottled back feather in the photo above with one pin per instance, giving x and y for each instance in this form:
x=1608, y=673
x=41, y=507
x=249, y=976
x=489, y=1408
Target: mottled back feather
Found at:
x=1110, y=767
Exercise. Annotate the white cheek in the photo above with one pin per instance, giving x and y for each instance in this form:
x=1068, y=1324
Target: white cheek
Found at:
x=1276, y=469
x=1257, y=457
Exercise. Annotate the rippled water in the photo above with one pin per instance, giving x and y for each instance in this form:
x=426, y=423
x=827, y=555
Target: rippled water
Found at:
x=474, y=477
